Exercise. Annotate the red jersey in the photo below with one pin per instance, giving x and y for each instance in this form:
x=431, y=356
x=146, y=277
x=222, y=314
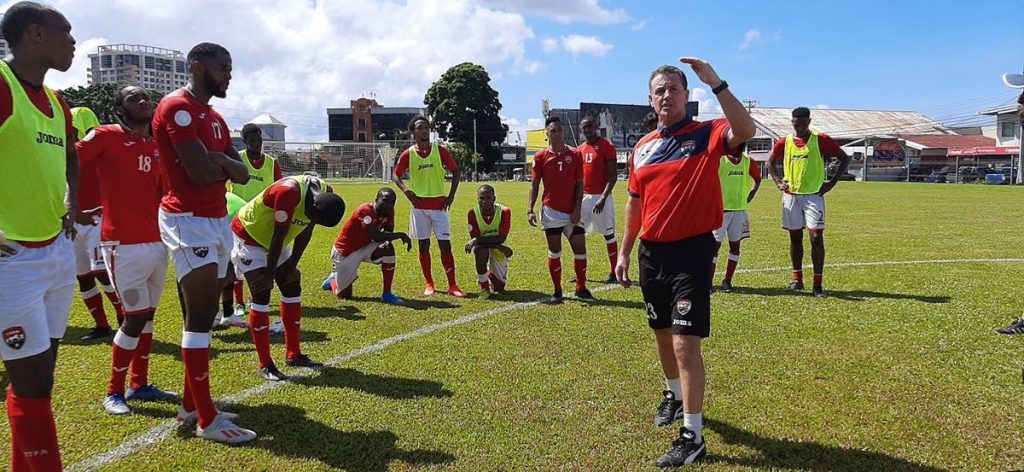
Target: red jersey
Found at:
x=38, y=97
x=828, y=146
x=595, y=164
x=674, y=173
x=128, y=169
x=355, y=234
x=179, y=118
x=428, y=203
x=559, y=172
x=503, y=228
x=282, y=196
x=88, y=186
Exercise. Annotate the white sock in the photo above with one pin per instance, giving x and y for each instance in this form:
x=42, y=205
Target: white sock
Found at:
x=676, y=387
x=693, y=422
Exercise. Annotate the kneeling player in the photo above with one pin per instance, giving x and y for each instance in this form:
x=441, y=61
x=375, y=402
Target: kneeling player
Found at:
x=366, y=237
x=125, y=156
x=265, y=229
x=489, y=225
x=740, y=178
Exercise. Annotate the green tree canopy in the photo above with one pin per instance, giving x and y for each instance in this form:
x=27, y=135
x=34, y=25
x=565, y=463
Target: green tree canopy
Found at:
x=100, y=99
x=462, y=94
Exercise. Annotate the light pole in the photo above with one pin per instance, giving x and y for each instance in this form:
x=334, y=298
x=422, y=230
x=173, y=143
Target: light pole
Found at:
x=474, y=149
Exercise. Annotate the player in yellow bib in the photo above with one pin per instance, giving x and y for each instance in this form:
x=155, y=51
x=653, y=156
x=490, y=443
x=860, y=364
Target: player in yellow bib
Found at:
x=740, y=177
x=489, y=225
x=803, y=156
x=39, y=168
x=265, y=230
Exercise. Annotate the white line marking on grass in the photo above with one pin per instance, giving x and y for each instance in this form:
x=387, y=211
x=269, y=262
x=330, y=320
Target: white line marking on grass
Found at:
x=163, y=430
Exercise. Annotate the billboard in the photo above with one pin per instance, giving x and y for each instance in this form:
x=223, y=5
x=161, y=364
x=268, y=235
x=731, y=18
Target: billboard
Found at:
x=623, y=125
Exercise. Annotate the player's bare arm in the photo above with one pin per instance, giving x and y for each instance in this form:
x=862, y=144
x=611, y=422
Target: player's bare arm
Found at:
x=753, y=190
x=741, y=124
x=71, y=197
x=531, y=217
x=608, y=187
x=408, y=192
x=456, y=177
x=844, y=163
x=575, y=218
x=231, y=163
x=197, y=162
x=773, y=171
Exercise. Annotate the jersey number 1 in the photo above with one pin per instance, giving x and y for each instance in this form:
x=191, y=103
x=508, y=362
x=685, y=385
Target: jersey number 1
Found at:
x=145, y=163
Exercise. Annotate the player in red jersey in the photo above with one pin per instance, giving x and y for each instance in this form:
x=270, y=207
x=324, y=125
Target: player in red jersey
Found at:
x=367, y=237
x=676, y=199
x=560, y=169
x=489, y=225
x=426, y=163
x=39, y=168
x=126, y=161
x=598, y=215
x=198, y=157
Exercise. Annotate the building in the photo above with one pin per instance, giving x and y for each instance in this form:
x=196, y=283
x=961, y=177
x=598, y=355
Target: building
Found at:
x=1007, y=129
x=367, y=121
x=4, y=49
x=273, y=133
x=150, y=67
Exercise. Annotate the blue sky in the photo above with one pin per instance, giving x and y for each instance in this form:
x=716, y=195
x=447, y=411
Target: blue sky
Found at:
x=296, y=58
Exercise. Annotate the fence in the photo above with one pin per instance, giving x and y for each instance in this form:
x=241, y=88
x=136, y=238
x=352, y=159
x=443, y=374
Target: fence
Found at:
x=364, y=161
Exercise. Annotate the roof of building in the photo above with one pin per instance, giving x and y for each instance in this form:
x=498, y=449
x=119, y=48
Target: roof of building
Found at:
x=848, y=124
x=949, y=141
x=1001, y=110
x=267, y=119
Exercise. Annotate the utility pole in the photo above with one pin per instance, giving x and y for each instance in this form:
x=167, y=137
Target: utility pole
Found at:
x=750, y=104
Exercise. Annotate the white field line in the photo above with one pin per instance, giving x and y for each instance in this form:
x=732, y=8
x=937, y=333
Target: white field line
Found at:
x=163, y=430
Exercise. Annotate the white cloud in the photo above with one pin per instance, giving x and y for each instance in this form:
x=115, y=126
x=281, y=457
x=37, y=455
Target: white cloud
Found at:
x=822, y=106
x=639, y=25
x=535, y=123
x=578, y=44
x=564, y=11
x=754, y=37
x=706, y=101
x=549, y=44
x=309, y=56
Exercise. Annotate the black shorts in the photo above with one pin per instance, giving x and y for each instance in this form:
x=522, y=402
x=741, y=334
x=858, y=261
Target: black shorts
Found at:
x=675, y=278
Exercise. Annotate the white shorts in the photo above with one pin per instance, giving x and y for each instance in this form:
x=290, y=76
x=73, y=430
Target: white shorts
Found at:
x=497, y=264
x=246, y=258
x=552, y=218
x=423, y=222
x=735, y=224
x=346, y=268
x=195, y=241
x=37, y=286
x=803, y=211
x=138, y=272
x=601, y=223
x=88, y=259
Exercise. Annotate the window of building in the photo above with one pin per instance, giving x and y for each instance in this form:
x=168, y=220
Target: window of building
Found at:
x=362, y=137
x=362, y=123
x=1007, y=129
x=150, y=62
x=759, y=145
x=108, y=61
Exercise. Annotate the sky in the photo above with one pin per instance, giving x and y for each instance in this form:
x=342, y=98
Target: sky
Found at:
x=296, y=58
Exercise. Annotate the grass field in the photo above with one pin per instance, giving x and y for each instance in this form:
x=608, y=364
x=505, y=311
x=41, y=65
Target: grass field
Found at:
x=898, y=369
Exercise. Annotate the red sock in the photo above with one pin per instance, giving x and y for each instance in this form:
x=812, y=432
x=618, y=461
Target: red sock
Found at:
x=817, y=279
x=497, y=284
x=195, y=350
x=580, y=267
x=730, y=268
x=187, y=403
x=485, y=282
x=94, y=302
x=239, y=290
x=116, y=302
x=291, y=317
x=140, y=361
x=387, y=271
x=123, y=348
x=448, y=261
x=425, y=265
x=613, y=254
x=555, y=269
x=259, y=327
x=798, y=275
x=33, y=433
x=714, y=265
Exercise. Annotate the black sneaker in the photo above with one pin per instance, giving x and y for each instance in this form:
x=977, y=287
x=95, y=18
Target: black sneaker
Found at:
x=554, y=299
x=669, y=410
x=818, y=291
x=684, y=451
x=271, y=373
x=98, y=333
x=727, y=286
x=584, y=294
x=303, y=360
x=796, y=285
x=611, y=279
x=1015, y=327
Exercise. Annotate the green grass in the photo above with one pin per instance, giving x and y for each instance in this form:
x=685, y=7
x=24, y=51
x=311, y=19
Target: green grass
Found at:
x=898, y=369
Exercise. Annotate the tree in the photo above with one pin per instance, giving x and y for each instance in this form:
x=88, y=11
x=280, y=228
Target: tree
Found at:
x=464, y=155
x=100, y=99
x=462, y=94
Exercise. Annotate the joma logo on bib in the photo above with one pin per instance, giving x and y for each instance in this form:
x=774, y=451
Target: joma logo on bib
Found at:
x=43, y=138
x=424, y=166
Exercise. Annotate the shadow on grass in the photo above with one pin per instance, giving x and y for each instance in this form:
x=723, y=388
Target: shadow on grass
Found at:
x=73, y=337
x=632, y=305
x=522, y=296
x=346, y=312
x=787, y=454
x=383, y=386
x=420, y=305
x=242, y=336
x=286, y=431
x=847, y=295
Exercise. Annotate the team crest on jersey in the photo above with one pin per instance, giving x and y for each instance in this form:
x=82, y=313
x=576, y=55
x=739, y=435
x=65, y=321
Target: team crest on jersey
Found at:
x=14, y=337
x=568, y=159
x=201, y=251
x=683, y=306
x=687, y=147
